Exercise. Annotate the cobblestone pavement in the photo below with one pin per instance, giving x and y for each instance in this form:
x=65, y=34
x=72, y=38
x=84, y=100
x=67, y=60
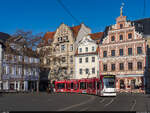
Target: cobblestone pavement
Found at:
x=74, y=102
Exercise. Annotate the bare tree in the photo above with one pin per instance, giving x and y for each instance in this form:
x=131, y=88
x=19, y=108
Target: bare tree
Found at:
x=53, y=62
x=23, y=43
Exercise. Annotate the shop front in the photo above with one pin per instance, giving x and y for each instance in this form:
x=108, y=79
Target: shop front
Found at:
x=130, y=83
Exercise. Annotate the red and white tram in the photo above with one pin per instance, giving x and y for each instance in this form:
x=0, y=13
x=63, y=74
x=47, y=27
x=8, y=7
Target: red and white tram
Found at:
x=102, y=86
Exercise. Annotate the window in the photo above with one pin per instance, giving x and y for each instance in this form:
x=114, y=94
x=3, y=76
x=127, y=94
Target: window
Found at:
x=121, y=52
x=104, y=67
x=63, y=59
x=113, y=67
x=139, y=65
x=104, y=53
x=59, y=39
x=86, y=49
x=65, y=71
x=62, y=47
x=129, y=51
x=49, y=41
x=122, y=84
x=121, y=66
x=93, y=59
x=4, y=70
x=139, y=50
x=10, y=70
x=130, y=67
x=93, y=70
x=80, y=71
x=71, y=58
x=87, y=70
x=121, y=37
x=121, y=26
x=129, y=35
x=86, y=59
x=71, y=47
x=65, y=38
x=93, y=48
x=112, y=38
x=112, y=52
x=80, y=60
x=80, y=49
x=48, y=61
x=71, y=70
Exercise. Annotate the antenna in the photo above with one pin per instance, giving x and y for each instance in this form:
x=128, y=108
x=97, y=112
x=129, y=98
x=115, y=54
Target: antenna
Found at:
x=144, y=10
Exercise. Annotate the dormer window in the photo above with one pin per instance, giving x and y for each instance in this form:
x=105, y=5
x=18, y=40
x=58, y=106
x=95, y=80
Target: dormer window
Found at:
x=121, y=26
x=113, y=38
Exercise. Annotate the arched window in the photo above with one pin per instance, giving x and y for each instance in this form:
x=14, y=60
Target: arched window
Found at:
x=139, y=65
x=121, y=37
x=121, y=26
x=129, y=35
x=113, y=38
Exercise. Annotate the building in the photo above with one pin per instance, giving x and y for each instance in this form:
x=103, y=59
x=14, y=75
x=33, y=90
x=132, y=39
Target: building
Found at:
x=20, y=67
x=123, y=53
x=86, y=57
x=3, y=38
x=61, y=46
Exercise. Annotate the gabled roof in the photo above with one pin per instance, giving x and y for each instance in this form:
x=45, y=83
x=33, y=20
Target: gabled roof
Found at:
x=96, y=36
x=142, y=25
x=4, y=36
x=75, y=30
x=48, y=35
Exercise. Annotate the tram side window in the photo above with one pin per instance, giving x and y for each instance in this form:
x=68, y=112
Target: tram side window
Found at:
x=90, y=85
x=98, y=83
x=71, y=85
x=68, y=86
x=75, y=86
x=82, y=85
x=94, y=85
x=61, y=86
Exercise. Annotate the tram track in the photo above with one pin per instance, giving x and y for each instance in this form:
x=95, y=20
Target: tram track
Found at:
x=77, y=105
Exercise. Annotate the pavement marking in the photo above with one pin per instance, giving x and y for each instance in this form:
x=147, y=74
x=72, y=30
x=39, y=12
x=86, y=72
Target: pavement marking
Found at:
x=109, y=103
x=102, y=100
x=76, y=105
x=133, y=105
x=84, y=109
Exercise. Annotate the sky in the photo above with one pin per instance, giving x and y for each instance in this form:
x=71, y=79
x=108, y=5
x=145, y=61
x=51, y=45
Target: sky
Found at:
x=46, y=15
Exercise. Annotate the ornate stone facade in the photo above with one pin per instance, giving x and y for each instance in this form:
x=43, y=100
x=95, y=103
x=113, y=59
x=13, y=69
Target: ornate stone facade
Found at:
x=123, y=53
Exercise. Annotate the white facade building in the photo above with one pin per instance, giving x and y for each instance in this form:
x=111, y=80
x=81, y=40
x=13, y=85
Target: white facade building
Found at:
x=86, y=57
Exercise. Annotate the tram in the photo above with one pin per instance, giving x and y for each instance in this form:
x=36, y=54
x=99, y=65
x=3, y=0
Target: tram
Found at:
x=102, y=86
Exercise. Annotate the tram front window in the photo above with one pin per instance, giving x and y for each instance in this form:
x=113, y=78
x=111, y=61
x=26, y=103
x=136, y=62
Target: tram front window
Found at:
x=109, y=82
x=82, y=85
x=61, y=85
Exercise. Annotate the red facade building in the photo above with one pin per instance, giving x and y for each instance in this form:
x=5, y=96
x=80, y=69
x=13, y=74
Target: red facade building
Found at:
x=122, y=53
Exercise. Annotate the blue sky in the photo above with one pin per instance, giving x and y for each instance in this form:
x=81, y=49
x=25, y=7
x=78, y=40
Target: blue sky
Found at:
x=47, y=15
